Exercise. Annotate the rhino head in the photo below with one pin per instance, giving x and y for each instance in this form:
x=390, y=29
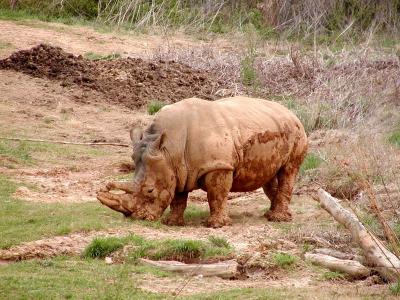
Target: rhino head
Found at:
x=154, y=182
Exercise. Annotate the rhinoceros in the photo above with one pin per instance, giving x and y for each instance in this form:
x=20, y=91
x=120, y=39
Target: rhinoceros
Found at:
x=236, y=144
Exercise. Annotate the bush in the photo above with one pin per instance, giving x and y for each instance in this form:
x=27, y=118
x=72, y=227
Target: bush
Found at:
x=219, y=241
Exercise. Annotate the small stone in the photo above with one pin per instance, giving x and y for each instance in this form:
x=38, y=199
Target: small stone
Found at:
x=108, y=260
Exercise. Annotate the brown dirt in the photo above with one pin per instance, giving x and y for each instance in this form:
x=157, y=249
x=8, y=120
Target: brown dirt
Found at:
x=131, y=82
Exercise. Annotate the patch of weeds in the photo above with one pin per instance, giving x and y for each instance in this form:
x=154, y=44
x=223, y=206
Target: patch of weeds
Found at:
x=283, y=260
x=248, y=73
x=154, y=106
x=370, y=221
x=195, y=214
x=97, y=56
x=307, y=247
x=174, y=249
x=394, y=138
x=395, y=288
x=333, y=276
x=311, y=161
x=5, y=45
x=219, y=241
x=101, y=247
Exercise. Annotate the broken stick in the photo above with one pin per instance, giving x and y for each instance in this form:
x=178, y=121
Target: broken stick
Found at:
x=376, y=254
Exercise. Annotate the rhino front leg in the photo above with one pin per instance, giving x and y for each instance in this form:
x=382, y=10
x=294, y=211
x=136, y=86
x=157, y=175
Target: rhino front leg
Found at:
x=280, y=211
x=218, y=184
x=178, y=206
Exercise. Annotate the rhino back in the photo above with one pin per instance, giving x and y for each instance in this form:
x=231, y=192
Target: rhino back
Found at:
x=252, y=137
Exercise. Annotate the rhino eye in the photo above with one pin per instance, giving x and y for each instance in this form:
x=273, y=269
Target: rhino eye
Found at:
x=149, y=190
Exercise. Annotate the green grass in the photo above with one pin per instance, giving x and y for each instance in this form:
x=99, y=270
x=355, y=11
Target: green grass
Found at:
x=154, y=106
x=395, y=288
x=283, y=260
x=22, y=221
x=169, y=249
x=101, y=247
x=333, y=276
x=394, y=138
x=219, y=241
x=311, y=161
x=195, y=214
x=5, y=45
x=71, y=278
x=30, y=153
x=97, y=56
x=248, y=73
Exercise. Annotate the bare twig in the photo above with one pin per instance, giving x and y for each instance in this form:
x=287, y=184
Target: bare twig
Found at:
x=65, y=142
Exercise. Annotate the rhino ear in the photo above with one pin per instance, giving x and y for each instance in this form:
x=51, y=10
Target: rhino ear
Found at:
x=136, y=135
x=156, y=145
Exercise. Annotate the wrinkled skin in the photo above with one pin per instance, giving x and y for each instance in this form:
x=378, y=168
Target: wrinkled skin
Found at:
x=233, y=144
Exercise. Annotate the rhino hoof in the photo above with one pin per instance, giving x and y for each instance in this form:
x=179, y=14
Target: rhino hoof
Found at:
x=218, y=222
x=171, y=221
x=278, y=216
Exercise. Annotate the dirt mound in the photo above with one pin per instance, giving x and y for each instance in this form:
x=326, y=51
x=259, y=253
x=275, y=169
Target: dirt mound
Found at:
x=132, y=82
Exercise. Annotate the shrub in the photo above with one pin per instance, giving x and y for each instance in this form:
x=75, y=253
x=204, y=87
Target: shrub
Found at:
x=154, y=106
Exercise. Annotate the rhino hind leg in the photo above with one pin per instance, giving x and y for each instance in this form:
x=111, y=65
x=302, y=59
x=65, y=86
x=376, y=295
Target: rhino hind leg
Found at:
x=279, y=191
x=178, y=206
x=218, y=184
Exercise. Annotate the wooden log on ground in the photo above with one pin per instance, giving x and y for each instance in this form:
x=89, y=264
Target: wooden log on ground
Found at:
x=339, y=254
x=376, y=254
x=351, y=267
x=224, y=269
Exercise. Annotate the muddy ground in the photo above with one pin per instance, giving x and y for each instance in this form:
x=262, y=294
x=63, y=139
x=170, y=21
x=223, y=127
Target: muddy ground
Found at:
x=48, y=93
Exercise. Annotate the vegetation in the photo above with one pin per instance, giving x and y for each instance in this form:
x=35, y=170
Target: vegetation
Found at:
x=311, y=161
x=326, y=18
x=101, y=247
x=283, y=260
x=219, y=241
x=154, y=106
x=22, y=221
x=394, y=138
x=333, y=276
x=395, y=288
x=97, y=56
x=170, y=249
x=30, y=153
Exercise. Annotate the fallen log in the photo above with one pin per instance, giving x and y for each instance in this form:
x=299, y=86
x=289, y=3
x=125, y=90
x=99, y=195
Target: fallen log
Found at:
x=339, y=254
x=376, y=254
x=224, y=269
x=351, y=267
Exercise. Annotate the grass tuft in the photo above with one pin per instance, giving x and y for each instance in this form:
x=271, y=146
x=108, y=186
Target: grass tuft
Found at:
x=219, y=241
x=101, y=247
x=394, y=138
x=312, y=161
x=97, y=56
x=395, y=288
x=283, y=260
x=154, y=106
x=333, y=276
